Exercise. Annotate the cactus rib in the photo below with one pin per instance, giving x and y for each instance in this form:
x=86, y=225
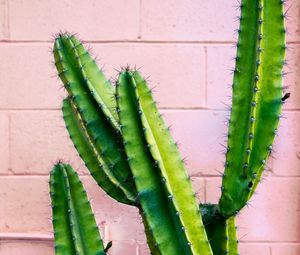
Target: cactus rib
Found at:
x=256, y=104
x=73, y=219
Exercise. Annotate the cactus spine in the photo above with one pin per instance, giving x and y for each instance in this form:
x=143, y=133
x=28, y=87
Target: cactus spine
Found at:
x=126, y=146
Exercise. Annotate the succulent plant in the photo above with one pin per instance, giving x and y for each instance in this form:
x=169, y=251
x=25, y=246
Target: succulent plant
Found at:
x=75, y=228
x=256, y=100
x=124, y=142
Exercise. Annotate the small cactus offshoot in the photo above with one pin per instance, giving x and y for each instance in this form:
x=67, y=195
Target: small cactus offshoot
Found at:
x=124, y=142
x=75, y=228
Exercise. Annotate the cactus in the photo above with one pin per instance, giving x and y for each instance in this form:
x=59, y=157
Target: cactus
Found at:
x=256, y=101
x=91, y=120
x=96, y=139
x=129, y=151
x=160, y=176
x=75, y=228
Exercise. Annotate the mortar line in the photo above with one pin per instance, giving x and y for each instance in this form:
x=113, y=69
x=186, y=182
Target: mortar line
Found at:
x=160, y=108
x=140, y=41
x=124, y=41
x=34, y=175
x=204, y=43
x=216, y=177
x=203, y=177
x=49, y=237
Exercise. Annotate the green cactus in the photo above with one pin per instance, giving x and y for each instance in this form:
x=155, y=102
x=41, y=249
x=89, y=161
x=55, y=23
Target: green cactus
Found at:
x=160, y=175
x=75, y=228
x=129, y=151
x=256, y=101
x=91, y=120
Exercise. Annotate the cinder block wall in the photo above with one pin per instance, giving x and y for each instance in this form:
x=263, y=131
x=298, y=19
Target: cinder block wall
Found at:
x=187, y=48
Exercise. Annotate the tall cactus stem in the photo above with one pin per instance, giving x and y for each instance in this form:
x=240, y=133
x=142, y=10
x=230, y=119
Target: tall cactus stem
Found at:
x=155, y=138
x=151, y=195
x=256, y=105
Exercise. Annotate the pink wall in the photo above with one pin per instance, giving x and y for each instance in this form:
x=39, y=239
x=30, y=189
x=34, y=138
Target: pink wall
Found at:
x=186, y=46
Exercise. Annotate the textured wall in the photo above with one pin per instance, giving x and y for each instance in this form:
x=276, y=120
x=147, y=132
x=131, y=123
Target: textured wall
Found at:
x=187, y=47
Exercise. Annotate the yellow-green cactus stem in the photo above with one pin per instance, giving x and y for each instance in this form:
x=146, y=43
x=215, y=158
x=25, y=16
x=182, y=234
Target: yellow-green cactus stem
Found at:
x=164, y=189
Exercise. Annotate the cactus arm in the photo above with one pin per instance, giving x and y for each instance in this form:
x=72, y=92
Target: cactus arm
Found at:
x=87, y=151
x=256, y=101
x=151, y=195
x=73, y=219
x=270, y=87
x=243, y=91
x=97, y=84
x=107, y=140
x=92, y=77
x=221, y=232
x=172, y=169
x=61, y=223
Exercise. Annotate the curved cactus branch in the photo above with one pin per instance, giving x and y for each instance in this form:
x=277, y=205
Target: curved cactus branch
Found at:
x=75, y=228
x=90, y=119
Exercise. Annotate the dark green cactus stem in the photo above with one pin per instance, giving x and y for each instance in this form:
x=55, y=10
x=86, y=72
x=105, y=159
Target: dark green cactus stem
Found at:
x=221, y=232
x=164, y=189
x=75, y=228
x=91, y=120
x=256, y=103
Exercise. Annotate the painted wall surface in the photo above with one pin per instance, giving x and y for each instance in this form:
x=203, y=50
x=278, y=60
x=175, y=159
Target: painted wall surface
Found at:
x=187, y=48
